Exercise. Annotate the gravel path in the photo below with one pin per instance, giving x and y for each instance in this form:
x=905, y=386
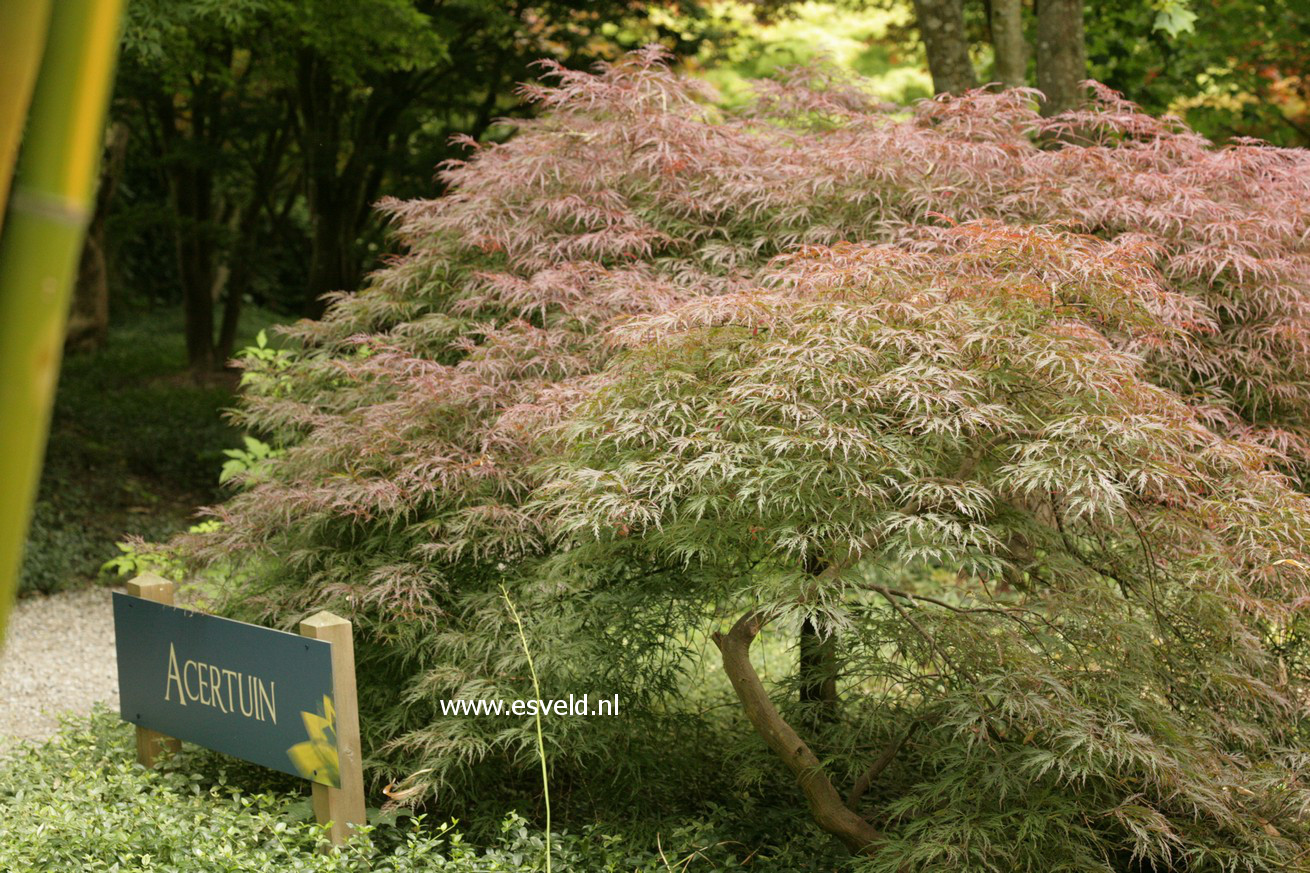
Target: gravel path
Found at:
x=58, y=657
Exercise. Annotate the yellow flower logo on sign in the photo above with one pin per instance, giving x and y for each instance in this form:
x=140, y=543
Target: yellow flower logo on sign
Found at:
x=316, y=758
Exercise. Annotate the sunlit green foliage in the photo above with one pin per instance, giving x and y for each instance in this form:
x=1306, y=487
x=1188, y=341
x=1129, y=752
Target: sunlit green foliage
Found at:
x=1238, y=68
x=739, y=41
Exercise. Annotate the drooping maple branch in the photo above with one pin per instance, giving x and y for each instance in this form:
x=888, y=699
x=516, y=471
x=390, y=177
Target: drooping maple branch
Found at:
x=826, y=805
x=875, y=769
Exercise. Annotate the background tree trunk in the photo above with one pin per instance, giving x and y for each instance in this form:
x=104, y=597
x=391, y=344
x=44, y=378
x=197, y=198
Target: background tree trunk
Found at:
x=1007, y=40
x=191, y=195
x=240, y=278
x=332, y=256
x=88, y=318
x=88, y=312
x=941, y=25
x=343, y=169
x=196, y=267
x=1061, y=54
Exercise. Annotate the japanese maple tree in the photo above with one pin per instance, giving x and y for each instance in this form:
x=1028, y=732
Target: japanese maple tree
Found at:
x=989, y=407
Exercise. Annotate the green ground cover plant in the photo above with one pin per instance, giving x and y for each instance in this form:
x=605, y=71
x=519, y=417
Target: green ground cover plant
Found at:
x=79, y=802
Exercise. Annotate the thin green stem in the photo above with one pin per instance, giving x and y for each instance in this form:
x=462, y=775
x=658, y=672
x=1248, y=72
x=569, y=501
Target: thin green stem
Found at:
x=541, y=741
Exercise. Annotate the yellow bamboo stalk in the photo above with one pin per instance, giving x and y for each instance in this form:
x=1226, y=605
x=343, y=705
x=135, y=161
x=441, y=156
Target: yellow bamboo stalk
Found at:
x=39, y=248
x=22, y=40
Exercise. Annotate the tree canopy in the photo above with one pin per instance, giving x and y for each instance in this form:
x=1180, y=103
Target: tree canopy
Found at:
x=262, y=133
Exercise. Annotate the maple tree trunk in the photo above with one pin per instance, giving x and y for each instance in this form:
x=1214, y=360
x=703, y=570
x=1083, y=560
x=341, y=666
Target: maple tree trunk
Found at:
x=1007, y=40
x=826, y=805
x=818, y=668
x=817, y=663
x=1061, y=54
x=941, y=24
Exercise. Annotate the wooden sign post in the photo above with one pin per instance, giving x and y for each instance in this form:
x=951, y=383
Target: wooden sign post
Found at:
x=150, y=743
x=343, y=807
x=278, y=699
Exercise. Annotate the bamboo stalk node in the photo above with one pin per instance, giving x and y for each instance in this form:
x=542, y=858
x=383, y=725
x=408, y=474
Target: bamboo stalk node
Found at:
x=52, y=207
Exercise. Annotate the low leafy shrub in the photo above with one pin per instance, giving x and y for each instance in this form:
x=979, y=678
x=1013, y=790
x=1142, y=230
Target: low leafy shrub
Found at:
x=58, y=550
x=80, y=803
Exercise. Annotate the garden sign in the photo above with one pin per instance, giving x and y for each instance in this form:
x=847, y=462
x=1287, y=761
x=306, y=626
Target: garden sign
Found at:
x=282, y=700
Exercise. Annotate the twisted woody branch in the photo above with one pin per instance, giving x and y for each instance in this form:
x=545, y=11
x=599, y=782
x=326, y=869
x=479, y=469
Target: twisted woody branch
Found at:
x=826, y=805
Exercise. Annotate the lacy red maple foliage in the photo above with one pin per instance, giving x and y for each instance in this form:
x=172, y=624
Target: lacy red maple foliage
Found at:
x=417, y=399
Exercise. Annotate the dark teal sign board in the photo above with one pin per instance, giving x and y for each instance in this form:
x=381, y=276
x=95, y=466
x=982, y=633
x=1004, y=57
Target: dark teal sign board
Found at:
x=258, y=694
